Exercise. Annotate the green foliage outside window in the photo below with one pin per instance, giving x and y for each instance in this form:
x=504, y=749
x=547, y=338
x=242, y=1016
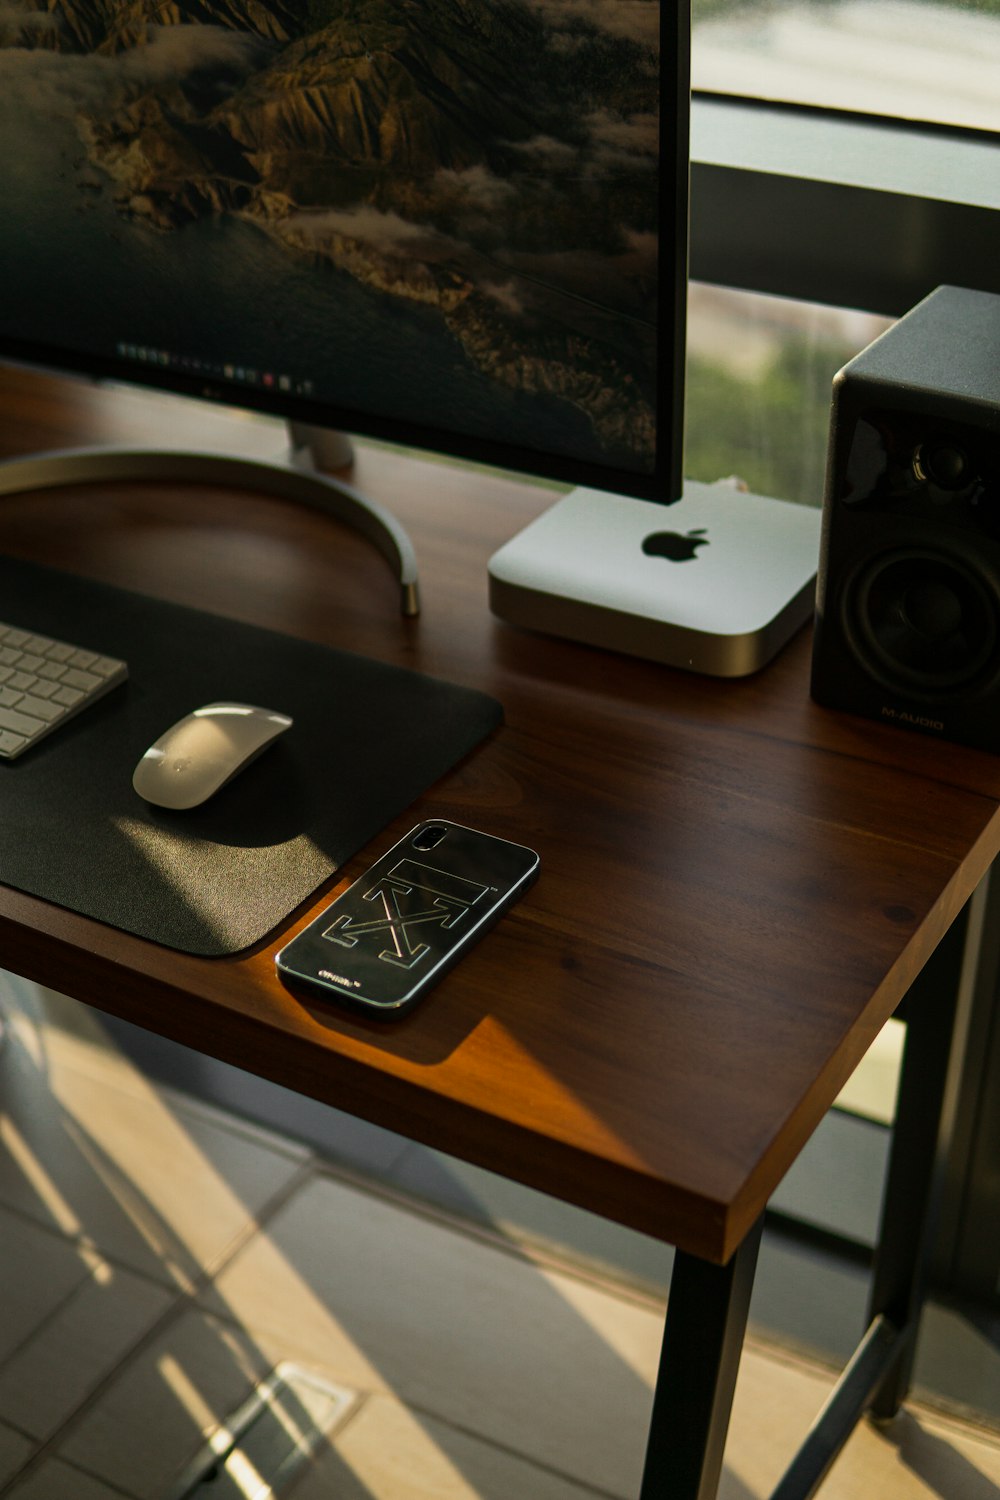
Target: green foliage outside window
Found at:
x=769, y=427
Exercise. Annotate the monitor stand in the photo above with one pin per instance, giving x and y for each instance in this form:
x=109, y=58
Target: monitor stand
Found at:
x=294, y=479
x=323, y=448
x=715, y=583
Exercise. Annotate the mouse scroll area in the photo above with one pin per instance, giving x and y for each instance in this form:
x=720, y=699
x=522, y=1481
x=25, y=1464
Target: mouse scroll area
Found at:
x=199, y=754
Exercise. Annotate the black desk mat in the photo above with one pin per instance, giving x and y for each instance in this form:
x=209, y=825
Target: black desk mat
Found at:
x=367, y=740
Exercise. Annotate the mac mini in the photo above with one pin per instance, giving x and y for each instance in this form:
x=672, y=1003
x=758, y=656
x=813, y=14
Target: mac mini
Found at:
x=715, y=583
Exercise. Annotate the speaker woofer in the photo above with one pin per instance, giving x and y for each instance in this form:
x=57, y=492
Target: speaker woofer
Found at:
x=923, y=623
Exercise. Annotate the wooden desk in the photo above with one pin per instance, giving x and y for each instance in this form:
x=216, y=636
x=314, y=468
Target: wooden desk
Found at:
x=737, y=890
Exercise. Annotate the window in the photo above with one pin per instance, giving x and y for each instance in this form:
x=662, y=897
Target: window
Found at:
x=910, y=59
x=759, y=371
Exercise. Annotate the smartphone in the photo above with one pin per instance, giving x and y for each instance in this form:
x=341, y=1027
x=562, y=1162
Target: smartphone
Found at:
x=393, y=933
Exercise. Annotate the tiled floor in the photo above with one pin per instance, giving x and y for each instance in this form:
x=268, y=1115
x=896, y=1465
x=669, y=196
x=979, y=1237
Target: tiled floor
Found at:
x=161, y=1258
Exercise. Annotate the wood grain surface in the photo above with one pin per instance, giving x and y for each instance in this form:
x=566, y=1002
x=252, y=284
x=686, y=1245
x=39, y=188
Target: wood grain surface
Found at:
x=736, y=887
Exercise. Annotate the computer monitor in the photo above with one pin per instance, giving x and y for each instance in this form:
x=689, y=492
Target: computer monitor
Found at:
x=457, y=224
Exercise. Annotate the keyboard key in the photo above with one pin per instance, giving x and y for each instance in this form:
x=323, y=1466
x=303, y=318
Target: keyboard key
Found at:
x=10, y=743
x=85, y=681
x=105, y=666
x=41, y=708
x=18, y=722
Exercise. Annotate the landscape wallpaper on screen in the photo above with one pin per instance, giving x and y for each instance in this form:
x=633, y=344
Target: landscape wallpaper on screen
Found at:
x=441, y=210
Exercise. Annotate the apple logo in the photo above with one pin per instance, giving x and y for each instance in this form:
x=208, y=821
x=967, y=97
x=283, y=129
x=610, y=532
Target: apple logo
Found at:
x=675, y=545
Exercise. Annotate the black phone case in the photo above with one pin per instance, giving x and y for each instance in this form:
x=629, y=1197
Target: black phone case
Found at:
x=383, y=943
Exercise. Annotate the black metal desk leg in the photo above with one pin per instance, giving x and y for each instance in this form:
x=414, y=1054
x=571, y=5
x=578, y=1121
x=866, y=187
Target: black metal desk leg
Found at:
x=702, y=1342
x=909, y=1199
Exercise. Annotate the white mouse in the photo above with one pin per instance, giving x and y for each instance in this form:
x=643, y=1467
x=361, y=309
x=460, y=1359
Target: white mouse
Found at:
x=204, y=750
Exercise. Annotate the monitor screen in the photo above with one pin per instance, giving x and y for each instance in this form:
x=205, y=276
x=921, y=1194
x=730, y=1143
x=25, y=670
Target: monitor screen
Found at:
x=455, y=223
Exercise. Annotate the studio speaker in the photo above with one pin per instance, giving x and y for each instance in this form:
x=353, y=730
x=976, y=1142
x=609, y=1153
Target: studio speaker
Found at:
x=908, y=593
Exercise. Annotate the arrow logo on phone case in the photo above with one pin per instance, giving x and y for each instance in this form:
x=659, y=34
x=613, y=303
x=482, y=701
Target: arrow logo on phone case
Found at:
x=396, y=924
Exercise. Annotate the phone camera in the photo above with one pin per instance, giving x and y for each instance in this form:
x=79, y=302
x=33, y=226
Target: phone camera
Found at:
x=429, y=837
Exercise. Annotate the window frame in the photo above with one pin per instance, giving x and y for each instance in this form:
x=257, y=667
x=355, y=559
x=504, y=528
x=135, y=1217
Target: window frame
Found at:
x=847, y=210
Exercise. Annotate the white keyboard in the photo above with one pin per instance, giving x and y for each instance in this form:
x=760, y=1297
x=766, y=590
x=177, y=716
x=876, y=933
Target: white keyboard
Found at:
x=45, y=682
